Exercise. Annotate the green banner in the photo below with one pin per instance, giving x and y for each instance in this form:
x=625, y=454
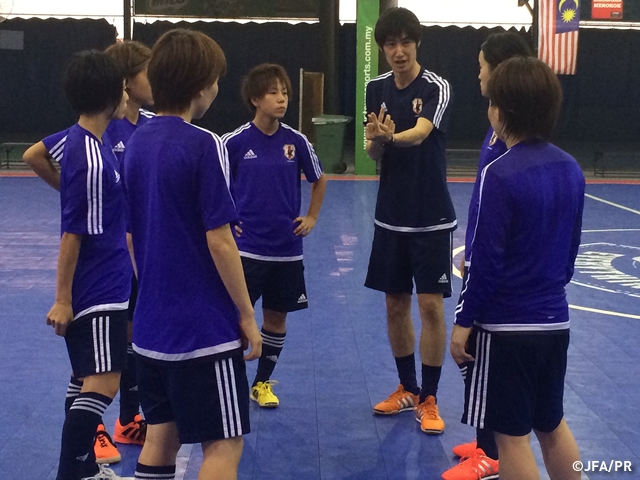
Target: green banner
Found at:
x=307, y=9
x=367, y=68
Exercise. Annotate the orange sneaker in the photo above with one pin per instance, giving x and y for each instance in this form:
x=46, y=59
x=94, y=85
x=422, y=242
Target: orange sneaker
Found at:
x=133, y=433
x=398, y=401
x=465, y=449
x=476, y=467
x=106, y=451
x=428, y=416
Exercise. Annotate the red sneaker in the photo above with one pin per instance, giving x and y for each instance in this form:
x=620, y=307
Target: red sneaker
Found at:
x=476, y=467
x=465, y=449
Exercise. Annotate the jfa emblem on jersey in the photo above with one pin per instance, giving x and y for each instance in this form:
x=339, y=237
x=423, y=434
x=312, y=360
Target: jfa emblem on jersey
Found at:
x=289, y=151
x=416, y=103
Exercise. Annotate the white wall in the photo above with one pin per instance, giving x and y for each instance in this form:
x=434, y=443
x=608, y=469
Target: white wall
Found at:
x=456, y=12
x=111, y=10
x=442, y=12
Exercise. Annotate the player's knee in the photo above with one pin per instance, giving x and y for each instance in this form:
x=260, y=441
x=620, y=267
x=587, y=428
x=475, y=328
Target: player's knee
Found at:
x=274, y=321
x=398, y=307
x=431, y=308
x=106, y=384
x=226, y=451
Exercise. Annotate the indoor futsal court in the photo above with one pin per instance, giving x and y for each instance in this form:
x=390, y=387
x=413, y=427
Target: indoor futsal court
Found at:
x=337, y=362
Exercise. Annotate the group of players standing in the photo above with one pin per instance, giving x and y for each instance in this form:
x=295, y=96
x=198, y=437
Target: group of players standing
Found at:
x=192, y=229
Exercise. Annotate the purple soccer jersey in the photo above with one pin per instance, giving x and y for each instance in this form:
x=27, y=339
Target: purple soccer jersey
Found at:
x=266, y=185
x=177, y=185
x=92, y=205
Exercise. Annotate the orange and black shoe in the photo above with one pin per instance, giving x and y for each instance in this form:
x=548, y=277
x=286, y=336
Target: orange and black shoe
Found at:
x=398, y=401
x=133, y=433
x=428, y=416
x=104, y=448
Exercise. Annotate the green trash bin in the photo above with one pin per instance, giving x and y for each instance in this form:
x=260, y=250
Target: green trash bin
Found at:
x=329, y=132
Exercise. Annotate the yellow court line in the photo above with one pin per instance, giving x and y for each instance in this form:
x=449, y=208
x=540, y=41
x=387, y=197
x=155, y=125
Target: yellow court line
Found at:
x=455, y=252
x=592, y=197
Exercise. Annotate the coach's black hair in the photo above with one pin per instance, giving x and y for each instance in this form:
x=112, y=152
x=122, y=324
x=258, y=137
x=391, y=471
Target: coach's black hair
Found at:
x=93, y=82
x=528, y=96
x=397, y=22
x=499, y=47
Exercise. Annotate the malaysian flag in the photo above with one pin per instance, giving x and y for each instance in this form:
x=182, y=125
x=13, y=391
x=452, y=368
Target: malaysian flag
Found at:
x=559, y=21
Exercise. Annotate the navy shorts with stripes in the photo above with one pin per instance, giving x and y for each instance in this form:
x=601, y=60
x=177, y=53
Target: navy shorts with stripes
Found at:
x=207, y=400
x=97, y=343
x=516, y=383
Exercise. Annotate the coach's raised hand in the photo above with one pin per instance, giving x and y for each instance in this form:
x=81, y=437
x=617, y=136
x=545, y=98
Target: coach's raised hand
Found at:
x=380, y=128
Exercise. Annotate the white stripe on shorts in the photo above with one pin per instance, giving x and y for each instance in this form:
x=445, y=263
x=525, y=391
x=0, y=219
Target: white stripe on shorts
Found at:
x=102, y=343
x=223, y=409
x=479, y=380
x=236, y=408
x=102, y=366
x=228, y=396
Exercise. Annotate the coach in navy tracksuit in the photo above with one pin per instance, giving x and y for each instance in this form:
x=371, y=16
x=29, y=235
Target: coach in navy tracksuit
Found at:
x=523, y=251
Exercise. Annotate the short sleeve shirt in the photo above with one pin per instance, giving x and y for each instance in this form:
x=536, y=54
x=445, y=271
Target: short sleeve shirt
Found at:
x=177, y=182
x=93, y=205
x=266, y=180
x=413, y=194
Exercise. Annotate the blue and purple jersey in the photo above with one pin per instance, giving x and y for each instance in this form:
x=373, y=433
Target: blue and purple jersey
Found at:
x=525, y=242
x=492, y=148
x=92, y=205
x=177, y=184
x=266, y=185
x=121, y=130
x=118, y=131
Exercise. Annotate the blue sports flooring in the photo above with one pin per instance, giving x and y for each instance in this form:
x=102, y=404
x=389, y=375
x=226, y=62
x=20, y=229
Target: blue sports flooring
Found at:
x=336, y=363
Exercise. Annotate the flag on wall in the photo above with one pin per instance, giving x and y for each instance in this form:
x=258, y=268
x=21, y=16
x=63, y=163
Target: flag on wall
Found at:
x=559, y=21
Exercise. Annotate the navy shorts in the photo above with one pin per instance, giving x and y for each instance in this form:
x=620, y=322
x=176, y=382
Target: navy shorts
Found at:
x=207, y=400
x=280, y=284
x=399, y=259
x=97, y=343
x=516, y=382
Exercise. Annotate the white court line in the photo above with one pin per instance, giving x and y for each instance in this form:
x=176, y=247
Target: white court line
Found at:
x=605, y=312
x=612, y=204
x=606, y=230
x=575, y=307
